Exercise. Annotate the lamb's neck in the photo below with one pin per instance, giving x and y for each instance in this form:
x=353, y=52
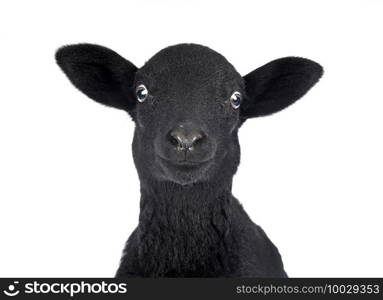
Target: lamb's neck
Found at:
x=186, y=226
x=176, y=206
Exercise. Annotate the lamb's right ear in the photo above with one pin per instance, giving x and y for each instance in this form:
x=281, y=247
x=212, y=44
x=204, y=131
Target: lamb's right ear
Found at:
x=99, y=73
x=278, y=84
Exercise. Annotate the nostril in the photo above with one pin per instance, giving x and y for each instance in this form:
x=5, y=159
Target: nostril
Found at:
x=197, y=138
x=173, y=139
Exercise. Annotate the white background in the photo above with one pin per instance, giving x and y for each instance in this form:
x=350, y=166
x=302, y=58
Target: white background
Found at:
x=311, y=175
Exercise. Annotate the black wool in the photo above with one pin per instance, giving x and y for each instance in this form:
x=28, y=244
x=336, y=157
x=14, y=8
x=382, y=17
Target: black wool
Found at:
x=188, y=103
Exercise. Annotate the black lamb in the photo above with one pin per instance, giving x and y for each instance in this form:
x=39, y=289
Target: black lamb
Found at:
x=188, y=103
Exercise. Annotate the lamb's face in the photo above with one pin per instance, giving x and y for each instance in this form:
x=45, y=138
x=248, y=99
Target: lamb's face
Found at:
x=188, y=102
x=187, y=115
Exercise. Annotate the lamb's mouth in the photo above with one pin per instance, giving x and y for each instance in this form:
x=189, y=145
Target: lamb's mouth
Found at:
x=184, y=172
x=183, y=165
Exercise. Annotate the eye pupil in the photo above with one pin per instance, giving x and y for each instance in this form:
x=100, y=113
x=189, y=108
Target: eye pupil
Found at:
x=141, y=93
x=235, y=100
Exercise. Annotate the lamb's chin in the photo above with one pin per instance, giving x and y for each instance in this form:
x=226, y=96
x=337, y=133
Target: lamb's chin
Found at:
x=184, y=174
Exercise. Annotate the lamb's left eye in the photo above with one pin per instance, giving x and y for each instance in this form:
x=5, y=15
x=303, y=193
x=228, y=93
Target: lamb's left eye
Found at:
x=236, y=99
x=142, y=93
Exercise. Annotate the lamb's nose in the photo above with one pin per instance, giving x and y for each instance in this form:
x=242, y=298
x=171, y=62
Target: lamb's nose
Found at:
x=185, y=137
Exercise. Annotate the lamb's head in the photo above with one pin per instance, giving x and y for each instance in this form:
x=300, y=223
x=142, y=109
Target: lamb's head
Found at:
x=187, y=102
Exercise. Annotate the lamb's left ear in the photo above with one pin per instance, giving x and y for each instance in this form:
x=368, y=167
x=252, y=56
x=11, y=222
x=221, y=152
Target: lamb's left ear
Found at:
x=99, y=73
x=278, y=84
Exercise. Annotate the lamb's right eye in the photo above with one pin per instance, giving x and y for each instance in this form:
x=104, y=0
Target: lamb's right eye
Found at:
x=141, y=93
